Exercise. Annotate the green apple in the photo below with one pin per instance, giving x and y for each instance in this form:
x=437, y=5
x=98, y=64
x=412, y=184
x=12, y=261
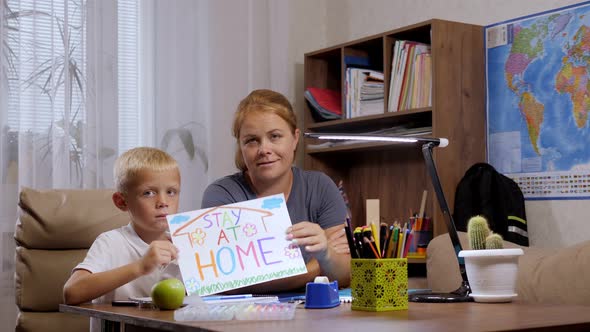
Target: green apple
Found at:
x=168, y=294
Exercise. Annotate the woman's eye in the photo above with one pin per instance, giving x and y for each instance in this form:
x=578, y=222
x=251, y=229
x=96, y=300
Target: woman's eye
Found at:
x=250, y=141
x=275, y=136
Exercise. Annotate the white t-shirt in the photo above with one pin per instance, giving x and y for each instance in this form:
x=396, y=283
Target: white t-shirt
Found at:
x=114, y=249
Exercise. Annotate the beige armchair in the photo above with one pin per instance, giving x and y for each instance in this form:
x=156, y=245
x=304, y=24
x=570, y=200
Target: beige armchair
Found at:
x=54, y=230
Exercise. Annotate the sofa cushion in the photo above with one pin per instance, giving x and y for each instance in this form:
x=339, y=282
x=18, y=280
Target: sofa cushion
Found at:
x=65, y=219
x=555, y=275
x=442, y=267
x=51, y=321
x=41, y=275
x=544, y=275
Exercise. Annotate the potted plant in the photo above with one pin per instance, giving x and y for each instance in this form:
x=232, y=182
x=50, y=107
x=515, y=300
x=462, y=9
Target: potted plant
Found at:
x=491, y=269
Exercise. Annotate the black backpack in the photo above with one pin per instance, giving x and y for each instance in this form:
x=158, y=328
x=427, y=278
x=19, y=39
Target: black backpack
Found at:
x=484, y=191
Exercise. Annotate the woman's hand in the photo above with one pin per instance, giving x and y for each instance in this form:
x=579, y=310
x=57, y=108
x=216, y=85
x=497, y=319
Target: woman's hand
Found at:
x=329, y=247
x=337, y=241
x=311, y=237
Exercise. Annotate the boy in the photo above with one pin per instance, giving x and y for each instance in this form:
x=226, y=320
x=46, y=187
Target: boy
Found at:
x=129, y=260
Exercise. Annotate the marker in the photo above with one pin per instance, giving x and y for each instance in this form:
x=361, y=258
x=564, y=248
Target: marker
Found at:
x=226, y=297
x=351, y=246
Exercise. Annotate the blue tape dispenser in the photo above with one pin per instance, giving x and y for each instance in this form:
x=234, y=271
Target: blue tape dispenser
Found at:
x=321, y=294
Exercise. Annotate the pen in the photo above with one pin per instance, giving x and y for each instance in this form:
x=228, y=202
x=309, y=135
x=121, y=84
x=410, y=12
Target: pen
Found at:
x=382, y=238
x=349, y=239
x=358, y=241
x=396, y=241
x=387, y=249
x=226, y=297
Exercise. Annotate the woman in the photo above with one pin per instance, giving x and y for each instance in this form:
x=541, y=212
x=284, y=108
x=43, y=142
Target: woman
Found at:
x=265, y=128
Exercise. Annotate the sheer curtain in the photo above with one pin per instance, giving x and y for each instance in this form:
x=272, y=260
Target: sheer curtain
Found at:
x=81, y=81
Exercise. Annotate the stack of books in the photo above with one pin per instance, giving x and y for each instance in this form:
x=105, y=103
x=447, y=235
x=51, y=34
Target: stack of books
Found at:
x=364, y=92
x=325, y=104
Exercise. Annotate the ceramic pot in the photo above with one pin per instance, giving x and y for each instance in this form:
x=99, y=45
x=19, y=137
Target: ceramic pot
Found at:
x=492, y=273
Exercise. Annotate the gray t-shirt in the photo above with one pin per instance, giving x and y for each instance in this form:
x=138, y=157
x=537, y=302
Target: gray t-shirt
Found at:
x=314, y=197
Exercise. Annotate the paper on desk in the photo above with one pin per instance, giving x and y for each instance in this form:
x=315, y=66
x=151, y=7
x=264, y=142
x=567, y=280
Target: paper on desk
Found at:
x=236, y=245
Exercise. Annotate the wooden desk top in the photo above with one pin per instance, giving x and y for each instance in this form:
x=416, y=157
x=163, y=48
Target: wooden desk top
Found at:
x=419, y=317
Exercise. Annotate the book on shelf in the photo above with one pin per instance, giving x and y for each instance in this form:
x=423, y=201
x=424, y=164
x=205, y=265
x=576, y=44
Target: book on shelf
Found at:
x=364, y=92
x=325, y=104
x=411, y=76
x=358, y=61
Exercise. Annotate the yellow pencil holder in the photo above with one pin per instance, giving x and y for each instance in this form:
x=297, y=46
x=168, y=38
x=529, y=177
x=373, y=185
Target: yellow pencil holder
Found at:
x=379, y=284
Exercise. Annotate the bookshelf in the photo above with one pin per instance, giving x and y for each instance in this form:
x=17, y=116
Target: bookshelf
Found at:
x=395, y=173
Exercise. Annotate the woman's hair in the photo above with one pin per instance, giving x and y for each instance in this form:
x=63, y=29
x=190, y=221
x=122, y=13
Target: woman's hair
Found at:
x=263, y=101
x=133, y=161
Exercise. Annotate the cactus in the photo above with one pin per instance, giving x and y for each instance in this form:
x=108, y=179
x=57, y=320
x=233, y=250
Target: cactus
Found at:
x=494, y=241
x=480, y=236
x=477, y=232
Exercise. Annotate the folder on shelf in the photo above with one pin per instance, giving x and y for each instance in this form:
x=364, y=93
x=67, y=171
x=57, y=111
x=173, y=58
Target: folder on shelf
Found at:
x=325, y=104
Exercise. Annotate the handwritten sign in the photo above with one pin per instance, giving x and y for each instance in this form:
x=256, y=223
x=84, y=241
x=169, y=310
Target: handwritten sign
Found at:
x=236, y=245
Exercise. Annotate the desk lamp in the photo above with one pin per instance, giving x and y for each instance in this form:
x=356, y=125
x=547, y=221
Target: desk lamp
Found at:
x=462, y=293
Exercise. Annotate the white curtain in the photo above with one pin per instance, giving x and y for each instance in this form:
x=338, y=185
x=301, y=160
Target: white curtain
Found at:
x=172, y=82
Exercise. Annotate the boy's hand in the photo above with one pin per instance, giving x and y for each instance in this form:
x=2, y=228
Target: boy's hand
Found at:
x=160, y=252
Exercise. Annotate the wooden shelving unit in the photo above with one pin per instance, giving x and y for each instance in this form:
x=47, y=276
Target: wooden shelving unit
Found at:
x=394, y=173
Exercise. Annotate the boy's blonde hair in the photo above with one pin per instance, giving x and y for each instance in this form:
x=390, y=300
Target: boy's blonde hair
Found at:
x=133, y=161
x=264, y=101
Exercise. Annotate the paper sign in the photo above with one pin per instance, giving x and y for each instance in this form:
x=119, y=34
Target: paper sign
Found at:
x=235, y=245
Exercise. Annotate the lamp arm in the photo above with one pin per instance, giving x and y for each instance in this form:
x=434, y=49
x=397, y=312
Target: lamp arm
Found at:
x=430, y=166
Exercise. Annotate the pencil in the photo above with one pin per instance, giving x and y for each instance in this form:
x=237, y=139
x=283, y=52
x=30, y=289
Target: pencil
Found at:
x=370, y=247
x=375, y=254
x=400, y=242
x=375, y=237
x=395, y=242
x=408, y=243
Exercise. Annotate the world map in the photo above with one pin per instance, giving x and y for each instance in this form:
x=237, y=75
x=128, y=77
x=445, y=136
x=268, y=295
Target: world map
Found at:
x=538, y=101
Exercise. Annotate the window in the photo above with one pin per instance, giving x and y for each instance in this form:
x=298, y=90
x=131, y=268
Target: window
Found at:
x=48, y=86
x=128, y=74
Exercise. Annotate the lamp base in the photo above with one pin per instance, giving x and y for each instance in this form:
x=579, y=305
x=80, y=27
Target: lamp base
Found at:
x=459, y=295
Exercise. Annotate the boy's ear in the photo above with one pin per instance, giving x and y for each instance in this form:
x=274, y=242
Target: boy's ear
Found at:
x=120, y=201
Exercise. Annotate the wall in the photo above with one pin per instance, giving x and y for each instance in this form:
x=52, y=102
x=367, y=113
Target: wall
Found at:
x=551, y=223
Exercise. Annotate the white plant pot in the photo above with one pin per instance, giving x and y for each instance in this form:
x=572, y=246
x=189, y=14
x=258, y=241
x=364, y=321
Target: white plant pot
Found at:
x=492, y=273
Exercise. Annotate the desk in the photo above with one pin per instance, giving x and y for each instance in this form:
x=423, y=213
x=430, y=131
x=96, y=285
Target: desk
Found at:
x=419, y=317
